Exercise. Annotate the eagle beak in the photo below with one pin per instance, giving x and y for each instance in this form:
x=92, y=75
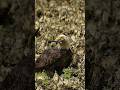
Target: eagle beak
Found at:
x=53, y=41
x=59, y=41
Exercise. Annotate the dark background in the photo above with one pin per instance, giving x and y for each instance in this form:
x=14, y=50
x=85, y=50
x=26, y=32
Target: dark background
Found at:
x=102, y=40
x=17, y=44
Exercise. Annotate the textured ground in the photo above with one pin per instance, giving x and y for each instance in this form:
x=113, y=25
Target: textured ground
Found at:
x=55, y=17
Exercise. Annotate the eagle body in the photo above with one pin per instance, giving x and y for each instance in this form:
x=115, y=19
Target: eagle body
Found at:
x=54, y=59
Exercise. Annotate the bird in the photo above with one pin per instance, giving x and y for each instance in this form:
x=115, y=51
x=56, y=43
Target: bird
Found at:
x=55, y=59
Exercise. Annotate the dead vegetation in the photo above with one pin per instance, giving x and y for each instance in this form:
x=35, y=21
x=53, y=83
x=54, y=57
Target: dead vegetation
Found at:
x=54, y=17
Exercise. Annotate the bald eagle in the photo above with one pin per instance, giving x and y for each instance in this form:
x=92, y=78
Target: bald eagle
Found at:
x=55, y=58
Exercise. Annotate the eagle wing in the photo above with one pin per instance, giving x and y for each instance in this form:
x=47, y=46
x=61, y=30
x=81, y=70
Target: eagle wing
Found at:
x=48, y=57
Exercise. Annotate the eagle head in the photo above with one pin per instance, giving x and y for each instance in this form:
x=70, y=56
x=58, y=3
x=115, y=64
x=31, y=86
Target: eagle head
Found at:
x=63, y=41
